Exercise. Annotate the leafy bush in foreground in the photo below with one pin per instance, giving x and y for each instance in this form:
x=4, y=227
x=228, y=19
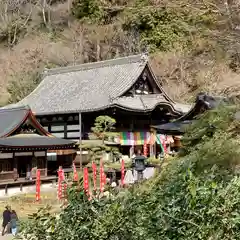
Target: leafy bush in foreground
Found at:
x=195, y=197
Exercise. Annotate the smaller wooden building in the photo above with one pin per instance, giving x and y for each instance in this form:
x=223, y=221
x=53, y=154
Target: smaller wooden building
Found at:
x=203, y=102
x=24, y=146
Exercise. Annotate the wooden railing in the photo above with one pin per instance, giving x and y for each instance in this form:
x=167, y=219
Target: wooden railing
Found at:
x=6, y=175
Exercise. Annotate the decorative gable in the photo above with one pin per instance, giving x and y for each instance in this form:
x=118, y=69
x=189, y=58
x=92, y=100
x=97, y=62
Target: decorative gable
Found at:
x=144, y=85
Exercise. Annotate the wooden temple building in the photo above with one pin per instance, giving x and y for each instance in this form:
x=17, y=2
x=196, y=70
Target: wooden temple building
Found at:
x=68, y=100
x=24, y=145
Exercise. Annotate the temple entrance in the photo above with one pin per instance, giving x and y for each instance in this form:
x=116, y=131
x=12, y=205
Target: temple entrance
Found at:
x=24, y=165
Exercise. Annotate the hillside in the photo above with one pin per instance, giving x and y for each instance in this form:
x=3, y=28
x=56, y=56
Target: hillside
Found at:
x=194, y=46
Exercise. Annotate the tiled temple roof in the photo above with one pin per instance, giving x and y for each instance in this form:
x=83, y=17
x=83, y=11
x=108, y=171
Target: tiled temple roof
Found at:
x=95, y=86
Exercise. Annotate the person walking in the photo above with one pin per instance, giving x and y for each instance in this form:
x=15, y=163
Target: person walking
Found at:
x=13, y=222
x=6, y=219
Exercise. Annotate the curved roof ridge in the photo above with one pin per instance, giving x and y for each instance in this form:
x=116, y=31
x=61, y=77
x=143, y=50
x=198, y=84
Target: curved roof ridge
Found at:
x=14, y=107
x=159, y=85
x=99, y=64
x=94, y=89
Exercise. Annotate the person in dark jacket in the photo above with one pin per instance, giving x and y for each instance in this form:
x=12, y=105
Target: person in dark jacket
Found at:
x=6, y=219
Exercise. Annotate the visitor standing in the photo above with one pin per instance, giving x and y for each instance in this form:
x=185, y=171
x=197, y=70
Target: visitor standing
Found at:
x=13, y=222
x=6, y=219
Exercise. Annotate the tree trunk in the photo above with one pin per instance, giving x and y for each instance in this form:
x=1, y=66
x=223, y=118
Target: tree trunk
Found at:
x=43, y=12
x=98, y=54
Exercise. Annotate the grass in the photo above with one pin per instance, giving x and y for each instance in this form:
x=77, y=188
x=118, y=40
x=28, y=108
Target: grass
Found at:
x=26, y=204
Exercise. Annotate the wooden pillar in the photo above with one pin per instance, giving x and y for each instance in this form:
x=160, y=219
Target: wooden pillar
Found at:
x=15, y=167
x=46, y=164
x=65, y=130
x=80, y=138
x=153, y=147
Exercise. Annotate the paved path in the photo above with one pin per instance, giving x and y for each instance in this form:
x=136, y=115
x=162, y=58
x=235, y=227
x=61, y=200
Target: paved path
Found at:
x=6, y=237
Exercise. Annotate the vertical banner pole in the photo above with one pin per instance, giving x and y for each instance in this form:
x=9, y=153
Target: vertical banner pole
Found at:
x=63, y=184
x=122, y=173
x=94, y=169
x=75, y=174
x=80, y=137
x=145, y=150
x=65, y=190
x=38, y=185
x=101, y=176
x=60, y=178
x=85, y=181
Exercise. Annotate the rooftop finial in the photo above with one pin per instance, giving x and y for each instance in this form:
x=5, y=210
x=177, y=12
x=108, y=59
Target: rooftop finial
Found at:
x=45, y=70
x=144, y=57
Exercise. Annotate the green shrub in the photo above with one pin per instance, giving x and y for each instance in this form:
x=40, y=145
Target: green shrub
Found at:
x=195, y=197
x=168, y=26
x=87, y=9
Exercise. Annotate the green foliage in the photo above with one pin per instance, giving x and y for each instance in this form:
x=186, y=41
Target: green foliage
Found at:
x=74, y=222
x=117, y=165
x=160, y=26
x=21, y=85
x=153, y=160
x=41, y=223
x=185, y=202
x=167, y=26
x=87, y=9
x=104, y=127
x=216, y=128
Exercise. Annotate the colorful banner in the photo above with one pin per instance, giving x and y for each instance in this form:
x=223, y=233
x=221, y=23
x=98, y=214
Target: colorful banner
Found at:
x=85, y=180
x=60, y=180
x=152, y=139
x=139, y=138
x=122, y=172
x=65, y=190
x=102, y=180
x=161, y=140
x=75, y=174
x=94, y=170
x=38, y=183
x=145, y=149
x=133, y=138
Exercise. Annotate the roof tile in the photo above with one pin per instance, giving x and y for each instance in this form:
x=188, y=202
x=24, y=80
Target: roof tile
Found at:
x=86, y=87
